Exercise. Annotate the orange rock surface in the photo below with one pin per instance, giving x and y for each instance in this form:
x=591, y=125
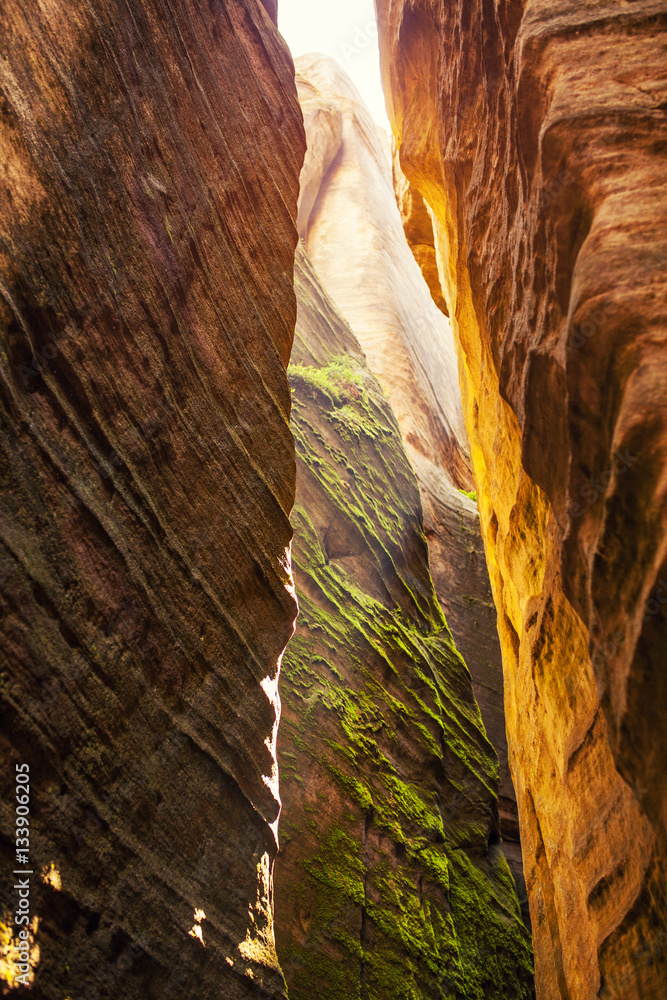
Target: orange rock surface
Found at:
x=418, y=228
x=149, y=163
x=536, y=134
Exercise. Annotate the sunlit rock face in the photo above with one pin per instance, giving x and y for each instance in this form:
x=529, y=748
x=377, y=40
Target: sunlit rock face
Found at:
x=356, y=236
x=533, y=131
x=390, y=882
x=456, y=554
x=150, y=157
x=418, y=226
x=350, y=224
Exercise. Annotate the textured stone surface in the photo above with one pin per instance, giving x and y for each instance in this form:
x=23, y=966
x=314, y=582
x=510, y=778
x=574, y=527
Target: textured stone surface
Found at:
x=149, y=162
x=461, y=579
x=348, y=214
x=352, y=229
x=390, y=882
x=456, y=554
x=418, y=229
x=535, y=132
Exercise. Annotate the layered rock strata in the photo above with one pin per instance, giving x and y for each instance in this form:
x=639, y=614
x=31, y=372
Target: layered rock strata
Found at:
x=149, y=156
x=390, y=881
x=355, y=235
x=534, y=133
x=456, y=556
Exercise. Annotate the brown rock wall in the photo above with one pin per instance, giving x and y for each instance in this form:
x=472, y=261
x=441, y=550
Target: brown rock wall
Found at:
x=536, y=133
x=149, y=156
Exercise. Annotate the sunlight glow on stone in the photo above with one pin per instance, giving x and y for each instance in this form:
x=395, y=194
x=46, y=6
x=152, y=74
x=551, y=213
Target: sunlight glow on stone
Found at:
x=196, y=930
x=52, y=877
x=347, y=32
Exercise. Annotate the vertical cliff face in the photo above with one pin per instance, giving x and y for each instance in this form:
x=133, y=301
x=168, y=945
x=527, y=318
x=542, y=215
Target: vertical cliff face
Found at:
x=149, y=157
x=456, y=552
x=534, y=133
x=390, y=881
x=356, y=237
x=418, y=226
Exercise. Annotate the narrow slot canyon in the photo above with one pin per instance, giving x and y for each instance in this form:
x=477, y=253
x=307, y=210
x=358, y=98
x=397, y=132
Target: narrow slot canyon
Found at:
x=390, y=818
x=333, y=548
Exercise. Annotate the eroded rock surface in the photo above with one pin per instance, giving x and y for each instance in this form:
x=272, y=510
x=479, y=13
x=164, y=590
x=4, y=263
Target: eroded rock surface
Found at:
x=390, y=881
x=418, y=228
x=349, y=217
x=536, y=134
x=149, y=163
x=353, y=234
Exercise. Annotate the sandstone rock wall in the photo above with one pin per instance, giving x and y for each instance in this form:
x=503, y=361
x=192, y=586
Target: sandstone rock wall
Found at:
x=418, y=226
x=536, y=133
x=353, y=234
x=149, y=163
x=357, y=239
x=390, y=881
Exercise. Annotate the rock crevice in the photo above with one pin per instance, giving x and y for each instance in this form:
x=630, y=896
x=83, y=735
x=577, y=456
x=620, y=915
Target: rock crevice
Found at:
x=390, y=881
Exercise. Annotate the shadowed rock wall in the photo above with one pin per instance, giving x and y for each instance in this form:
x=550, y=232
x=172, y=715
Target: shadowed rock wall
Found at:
x=536, y=134
x=149, y=156
x=390, y=882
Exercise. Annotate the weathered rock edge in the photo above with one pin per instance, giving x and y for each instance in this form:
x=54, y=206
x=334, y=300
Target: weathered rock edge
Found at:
x=355, y=235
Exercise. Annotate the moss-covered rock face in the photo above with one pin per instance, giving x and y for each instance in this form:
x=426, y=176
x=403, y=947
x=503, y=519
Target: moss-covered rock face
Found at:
x=390, y=882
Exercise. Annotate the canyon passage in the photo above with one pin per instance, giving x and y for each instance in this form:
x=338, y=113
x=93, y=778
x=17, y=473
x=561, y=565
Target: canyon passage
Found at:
x=333, y=550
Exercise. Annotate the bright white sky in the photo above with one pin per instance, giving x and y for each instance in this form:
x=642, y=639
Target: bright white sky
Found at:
x=345, y=30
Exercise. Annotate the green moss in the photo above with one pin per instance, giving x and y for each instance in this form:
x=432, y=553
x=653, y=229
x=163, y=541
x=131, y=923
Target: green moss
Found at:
x=471, y=494
x=495, y=955
x=379, y=712
x=349, y=943
x=338, y=866
x=339, y=380
x=357, y=791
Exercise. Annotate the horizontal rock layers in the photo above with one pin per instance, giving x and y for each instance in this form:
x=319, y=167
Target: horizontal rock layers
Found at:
x=536, y=132
x=357, y=240
x=390, y=881
x=149, y=163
